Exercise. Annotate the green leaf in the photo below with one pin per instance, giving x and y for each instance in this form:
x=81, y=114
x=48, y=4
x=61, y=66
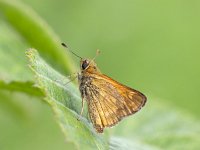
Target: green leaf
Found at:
x=66, y=103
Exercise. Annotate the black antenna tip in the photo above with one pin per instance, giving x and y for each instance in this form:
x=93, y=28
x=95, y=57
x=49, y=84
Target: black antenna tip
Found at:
x=63, y=44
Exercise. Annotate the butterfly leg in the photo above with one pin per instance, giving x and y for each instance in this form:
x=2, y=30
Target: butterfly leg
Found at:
x=82, y=108
x=69, y=78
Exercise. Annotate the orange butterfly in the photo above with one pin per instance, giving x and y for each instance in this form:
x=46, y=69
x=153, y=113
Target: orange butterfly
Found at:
x=108, y=100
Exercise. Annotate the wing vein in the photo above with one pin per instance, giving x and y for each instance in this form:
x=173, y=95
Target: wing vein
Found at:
x=94, y=105
x=109, y=109
x=94, y=94
x=122, y=104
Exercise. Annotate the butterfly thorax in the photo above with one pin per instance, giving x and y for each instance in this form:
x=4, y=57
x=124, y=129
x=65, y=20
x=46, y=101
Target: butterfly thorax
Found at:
x=86, y=76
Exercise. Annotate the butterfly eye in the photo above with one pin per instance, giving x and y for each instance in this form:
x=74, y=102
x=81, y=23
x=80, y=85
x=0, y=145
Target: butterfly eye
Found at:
x=85, y=64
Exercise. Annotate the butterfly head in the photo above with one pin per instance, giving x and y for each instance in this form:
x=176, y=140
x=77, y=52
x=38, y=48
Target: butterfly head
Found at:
x=85, y=64
x=88, y=65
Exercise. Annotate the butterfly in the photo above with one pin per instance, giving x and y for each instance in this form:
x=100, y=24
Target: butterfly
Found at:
x=108, y=100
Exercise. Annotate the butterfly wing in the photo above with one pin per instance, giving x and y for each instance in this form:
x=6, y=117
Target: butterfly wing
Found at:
x=110, y=101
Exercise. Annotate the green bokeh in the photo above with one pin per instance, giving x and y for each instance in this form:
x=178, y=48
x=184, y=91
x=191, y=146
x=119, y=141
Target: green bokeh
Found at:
x=152, y=45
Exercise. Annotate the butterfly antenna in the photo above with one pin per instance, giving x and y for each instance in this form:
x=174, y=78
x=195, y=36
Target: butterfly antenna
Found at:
x=97, y=53
x=64, y=45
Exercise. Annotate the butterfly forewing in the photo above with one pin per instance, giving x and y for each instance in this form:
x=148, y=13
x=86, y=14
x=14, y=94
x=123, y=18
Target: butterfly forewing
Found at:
x=108, y=100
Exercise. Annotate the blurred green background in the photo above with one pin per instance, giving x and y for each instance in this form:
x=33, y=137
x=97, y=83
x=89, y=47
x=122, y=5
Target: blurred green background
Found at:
x=152, y=46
